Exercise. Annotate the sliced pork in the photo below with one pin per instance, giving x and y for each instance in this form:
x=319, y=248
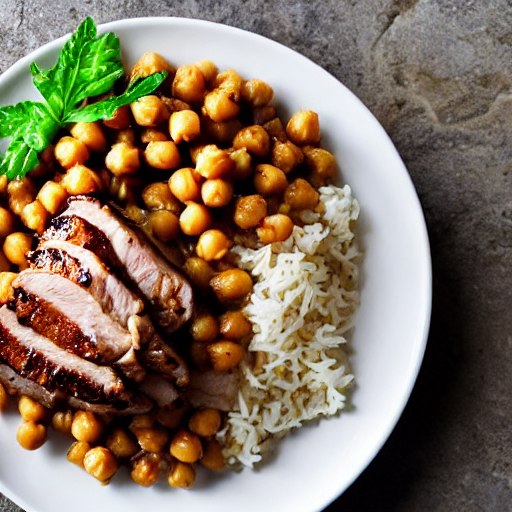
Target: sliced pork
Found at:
x=213, y=389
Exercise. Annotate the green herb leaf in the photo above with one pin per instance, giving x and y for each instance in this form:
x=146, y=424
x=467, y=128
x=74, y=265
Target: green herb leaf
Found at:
x=12, y=116
x=18, y=159
x=105, y=109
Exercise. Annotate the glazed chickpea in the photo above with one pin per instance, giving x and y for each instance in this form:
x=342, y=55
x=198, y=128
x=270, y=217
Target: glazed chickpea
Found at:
x=6, y=290
x=6, y=222
x=209, y=70
x=275, y=130
x=149, y=111
x=195, y=219
x=79, y=180
x=232, y=284
x=16, y=247
x=216, y=193
x=212, y=162
x=123, y=158
x=151, y=439
x=262, y=115
x=189, y=84
x=269, y=180
x=184, y=186
x=86, y=426
x=275, y=228
x=120, y=120
x=34, y=216
x=148, y=64
x=121, y=444
x=30, y=410
x=52, y=196
x=256, y=92
x=321, y=162
x=184, y=125
x=230, y=82
x=204, y=328
x=91, y=135
x=303, y=128
x=286, y=155
x=234, y=325
x=181, y=475
x=4, y=399
x=225, y=355
x=152, y=135
x=186, y=446
x=165, y=225
x=20, y=192
x=249, y=211
x=158, y=196
x=253, y=138
x=205, y=422
x=77, y=452
x=70, y=151
x=128, y=135
x=5, y=264
x=142, y=421
x=31, y=435
x=199, y=272
x=212, y=457
x=3, y=184
x=162, y=155
x=171, y=417
x=243, y=163
x=219, y=107
x=300, y=195
x=213, y=245
x=100, y=463
x=221, y=132
x=145, y=471
x=62, y=421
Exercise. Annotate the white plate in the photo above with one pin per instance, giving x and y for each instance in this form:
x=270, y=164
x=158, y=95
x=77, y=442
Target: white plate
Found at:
x=317, y=463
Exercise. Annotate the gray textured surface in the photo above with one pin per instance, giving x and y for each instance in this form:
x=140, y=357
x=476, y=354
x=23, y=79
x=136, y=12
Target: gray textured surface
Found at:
x=438, y=75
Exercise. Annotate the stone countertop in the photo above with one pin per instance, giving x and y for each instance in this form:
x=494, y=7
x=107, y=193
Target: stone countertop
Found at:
x=437, y=74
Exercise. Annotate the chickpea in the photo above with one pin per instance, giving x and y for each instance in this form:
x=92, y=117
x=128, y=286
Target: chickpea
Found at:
x=184, y=186
x=158, y=196
x=198, y=354
x=276, y=130
x=229, y=81
x=70, y=151
x=162, y=155
x=212, y=457
x=100, y=463
x=62, y=421
x=4, y=399
x=123, y=158
x=121, y=444
x=91, y=135
x=77, y=452
x=234, y=325
x=249, y=211
x=31, y=435
x=321, y=162
x=213, y=245
x=275, y=228
x=213, y=162
x=286, y=155
x=16, y=247
x=120, y=120
x=232, y=284
x=243, y=163
x=6, y=222
x=149, y=111
x=34, y=216
x=87, y=426
x=195, y=219
x=145, y=471
x=3, y=184
x=142, y=421
x=205, y=422
x=81, y=180
x=253, y=138
x=6, y=291
x=21, y=193
x=257, y=93
x=5, y=264
x=30, y=410
x=186, y=446
x=225, y=355
x=152, y=135
x=52, y=196
x=223, y=132
x=216, y=193
x=182, y=475
x=303, y=128
x=128, y=135
x=269, y=180
x=189, y=84
x=262, y=115
x=204, y=328
x=165, y=225
x=151, y=439
x=184, y=125
x=219, y=107
x=209, y=70
x=199, y=272
x=300, y=195
x=148, y=64
x=171, y=417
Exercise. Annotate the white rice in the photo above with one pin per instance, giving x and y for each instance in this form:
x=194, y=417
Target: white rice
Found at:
x=302, y=308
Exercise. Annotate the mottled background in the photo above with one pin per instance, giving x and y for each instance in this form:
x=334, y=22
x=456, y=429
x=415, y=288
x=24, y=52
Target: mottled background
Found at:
x=437, y=74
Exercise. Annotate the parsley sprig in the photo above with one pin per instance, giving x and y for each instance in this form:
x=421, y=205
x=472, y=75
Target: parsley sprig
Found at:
x=87, y=66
